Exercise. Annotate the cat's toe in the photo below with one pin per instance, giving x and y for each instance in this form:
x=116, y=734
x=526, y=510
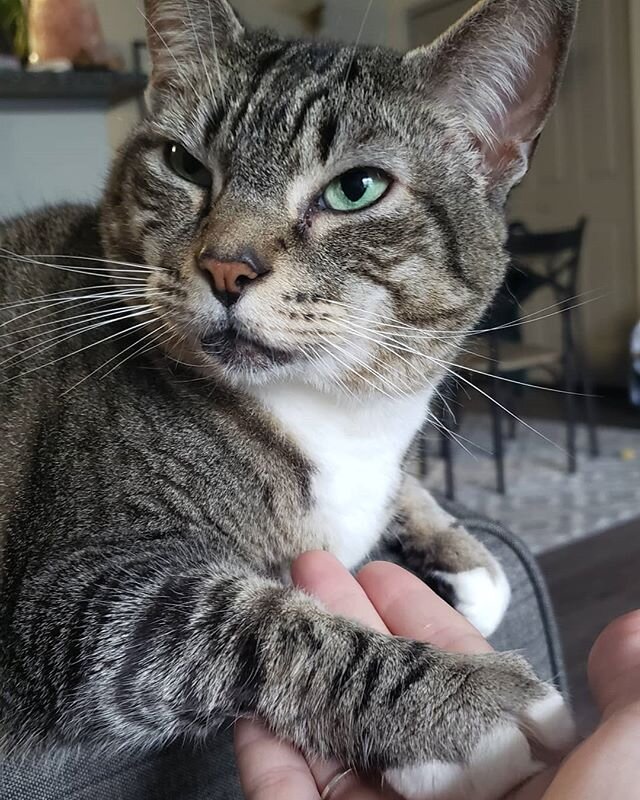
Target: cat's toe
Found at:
x=501, y=761
x=503, y=758
x=549, y=727
x=482, y=595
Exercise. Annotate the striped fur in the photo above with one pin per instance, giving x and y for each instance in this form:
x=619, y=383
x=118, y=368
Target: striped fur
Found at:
x=158, y=475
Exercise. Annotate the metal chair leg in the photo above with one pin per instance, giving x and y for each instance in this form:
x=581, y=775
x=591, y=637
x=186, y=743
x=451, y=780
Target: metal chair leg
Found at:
x=570, y=411
x=498, y=440
x=449, y=471
x=423, y=454
x=586, y=384
x=568, y=363
x=496, y=414
x=449, y=393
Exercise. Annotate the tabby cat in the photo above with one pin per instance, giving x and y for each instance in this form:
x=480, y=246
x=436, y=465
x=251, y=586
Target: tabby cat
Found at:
x=223, y=365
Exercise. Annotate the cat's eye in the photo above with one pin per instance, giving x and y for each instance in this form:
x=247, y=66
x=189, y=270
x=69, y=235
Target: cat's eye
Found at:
x=186, y=166
x=356, y=190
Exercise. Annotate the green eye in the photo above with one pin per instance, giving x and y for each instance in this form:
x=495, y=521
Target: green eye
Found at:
x=186, y=166
x=356, y=189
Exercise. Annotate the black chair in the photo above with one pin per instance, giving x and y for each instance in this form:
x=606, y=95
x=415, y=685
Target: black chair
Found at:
x=539, y=260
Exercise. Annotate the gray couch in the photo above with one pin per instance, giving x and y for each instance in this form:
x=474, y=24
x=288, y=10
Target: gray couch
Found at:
x=209, y=774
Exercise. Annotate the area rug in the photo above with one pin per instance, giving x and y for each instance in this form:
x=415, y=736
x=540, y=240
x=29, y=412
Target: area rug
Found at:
x=544, y=505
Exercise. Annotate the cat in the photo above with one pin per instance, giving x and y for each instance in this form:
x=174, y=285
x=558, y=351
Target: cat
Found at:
x=223, y=365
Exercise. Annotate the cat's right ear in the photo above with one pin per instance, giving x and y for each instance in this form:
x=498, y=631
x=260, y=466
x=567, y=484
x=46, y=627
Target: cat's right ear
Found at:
x=497, y=74
x=187, y=36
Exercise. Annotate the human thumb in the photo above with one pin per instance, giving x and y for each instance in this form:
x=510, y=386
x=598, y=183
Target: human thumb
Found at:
x=614, y=666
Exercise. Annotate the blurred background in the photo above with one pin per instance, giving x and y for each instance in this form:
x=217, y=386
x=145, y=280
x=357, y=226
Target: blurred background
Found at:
x=566, y=474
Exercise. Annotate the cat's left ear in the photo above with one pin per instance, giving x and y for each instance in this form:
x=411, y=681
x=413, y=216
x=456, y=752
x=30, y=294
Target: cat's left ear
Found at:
x=497, y=74
x=188, y=35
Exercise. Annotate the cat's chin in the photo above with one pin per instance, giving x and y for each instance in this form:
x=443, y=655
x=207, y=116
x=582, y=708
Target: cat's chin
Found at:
x=237, y=352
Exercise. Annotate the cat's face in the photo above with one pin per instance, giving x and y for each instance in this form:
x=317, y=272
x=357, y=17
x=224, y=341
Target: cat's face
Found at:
x=323, y=213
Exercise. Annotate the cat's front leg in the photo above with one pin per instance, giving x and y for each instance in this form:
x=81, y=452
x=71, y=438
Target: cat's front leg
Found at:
x=159, y=642
x=435, y=546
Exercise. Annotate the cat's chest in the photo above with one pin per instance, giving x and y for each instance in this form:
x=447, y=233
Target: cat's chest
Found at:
x=356, y=452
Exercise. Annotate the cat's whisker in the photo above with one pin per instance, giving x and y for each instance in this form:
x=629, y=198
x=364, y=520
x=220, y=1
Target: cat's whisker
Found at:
x=407, y=363
x=452, y=371
x=503, y=408
x=55, y=326
x=33, y=350
x=63, y=319
x=462, y=441
x=421, y=375
x=80, y=350
x=335, y=378
x=90, y=271
x=114, y=358
x=353, y=54
x=375, y=361
x=402, y=336
x=76, y=293
x=62, y=308
x=534, y=316
x=349, y=367
x=359, y=362
x=59, y=326
x=180, y=343
x=399, y=346
x=141, y=267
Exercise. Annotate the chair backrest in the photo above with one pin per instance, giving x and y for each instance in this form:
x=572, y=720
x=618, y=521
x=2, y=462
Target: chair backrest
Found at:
x=538, y=260
x=552, y=256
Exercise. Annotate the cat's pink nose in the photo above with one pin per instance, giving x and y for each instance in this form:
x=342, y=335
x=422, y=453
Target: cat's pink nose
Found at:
x=229, y=279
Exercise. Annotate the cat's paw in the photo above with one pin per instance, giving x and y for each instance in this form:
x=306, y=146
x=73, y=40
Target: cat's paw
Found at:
x=481, y=595
x=520, y=746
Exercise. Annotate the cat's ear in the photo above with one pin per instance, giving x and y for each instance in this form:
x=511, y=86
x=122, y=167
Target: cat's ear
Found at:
x=497, y=72
x=185, y=35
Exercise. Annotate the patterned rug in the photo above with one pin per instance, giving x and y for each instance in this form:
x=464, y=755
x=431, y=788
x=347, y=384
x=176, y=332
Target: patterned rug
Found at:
x=545, y=505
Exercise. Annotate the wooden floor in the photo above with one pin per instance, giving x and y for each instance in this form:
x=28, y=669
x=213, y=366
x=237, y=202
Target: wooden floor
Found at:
x=592, y=582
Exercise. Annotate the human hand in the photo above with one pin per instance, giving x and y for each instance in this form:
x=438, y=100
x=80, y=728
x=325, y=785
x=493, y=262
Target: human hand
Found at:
x=391, y=600
x=384, y=597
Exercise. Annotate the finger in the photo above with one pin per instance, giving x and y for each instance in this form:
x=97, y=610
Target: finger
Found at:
x=409, y=608
x=605, y=765
x=614, y=665
x=323, y=576
x=270, y=769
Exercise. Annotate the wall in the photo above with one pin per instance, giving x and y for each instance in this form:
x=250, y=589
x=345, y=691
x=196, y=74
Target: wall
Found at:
x=385, y=21
x=49, y=154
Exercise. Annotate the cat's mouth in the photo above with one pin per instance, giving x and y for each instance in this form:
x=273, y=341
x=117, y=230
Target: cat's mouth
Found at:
x=236, y=349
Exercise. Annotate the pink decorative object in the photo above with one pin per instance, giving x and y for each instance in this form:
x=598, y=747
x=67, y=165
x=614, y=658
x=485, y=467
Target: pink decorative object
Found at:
x=66, y=29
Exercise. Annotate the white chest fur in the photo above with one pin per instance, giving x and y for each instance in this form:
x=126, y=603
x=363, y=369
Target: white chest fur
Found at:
x=357, y=451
